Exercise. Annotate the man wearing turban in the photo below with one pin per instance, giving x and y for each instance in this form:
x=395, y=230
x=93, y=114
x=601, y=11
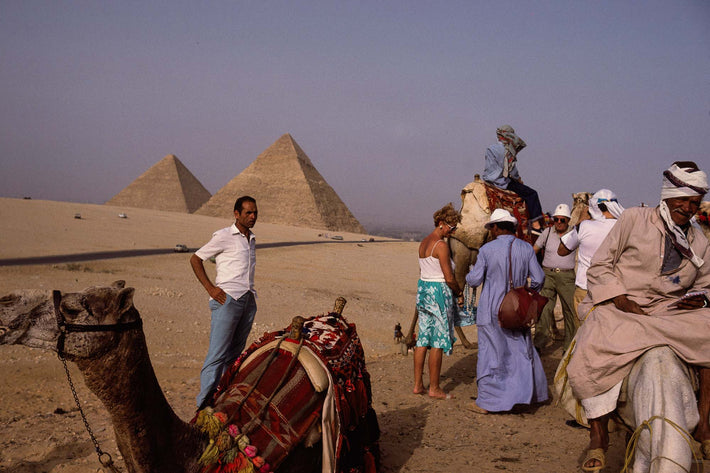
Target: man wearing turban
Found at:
x=502, y=171
x=648, y=285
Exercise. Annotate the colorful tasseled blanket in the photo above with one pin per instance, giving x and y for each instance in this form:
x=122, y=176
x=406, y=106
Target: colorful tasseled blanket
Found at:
x=250, y=434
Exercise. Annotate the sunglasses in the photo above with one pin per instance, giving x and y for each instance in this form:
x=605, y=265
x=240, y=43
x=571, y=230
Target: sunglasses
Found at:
x=559, y=220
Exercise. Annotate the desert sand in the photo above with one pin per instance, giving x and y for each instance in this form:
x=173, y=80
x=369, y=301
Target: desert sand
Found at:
x=299, y=272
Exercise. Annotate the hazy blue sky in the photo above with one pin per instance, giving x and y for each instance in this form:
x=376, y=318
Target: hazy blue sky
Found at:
x=394, y=102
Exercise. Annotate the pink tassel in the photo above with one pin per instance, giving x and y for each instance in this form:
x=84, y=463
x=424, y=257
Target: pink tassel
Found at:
x=265, y=469
x=250, y=450
x=233, y=430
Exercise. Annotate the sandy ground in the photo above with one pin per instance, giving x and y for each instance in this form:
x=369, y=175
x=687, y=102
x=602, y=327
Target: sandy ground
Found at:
x=299, y=272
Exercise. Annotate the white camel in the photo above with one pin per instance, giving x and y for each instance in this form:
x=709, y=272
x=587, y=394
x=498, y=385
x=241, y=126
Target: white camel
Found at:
x=657, y=402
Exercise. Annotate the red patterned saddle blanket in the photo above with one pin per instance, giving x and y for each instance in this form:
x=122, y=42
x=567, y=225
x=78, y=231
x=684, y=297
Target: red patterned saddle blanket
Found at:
x=266, y=402
x=513, y=203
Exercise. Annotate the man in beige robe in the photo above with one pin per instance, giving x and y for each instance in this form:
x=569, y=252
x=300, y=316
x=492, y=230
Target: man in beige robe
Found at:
x=649, y=260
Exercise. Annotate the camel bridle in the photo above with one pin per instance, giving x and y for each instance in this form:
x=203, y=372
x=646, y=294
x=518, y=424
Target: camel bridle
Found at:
x=64, y=328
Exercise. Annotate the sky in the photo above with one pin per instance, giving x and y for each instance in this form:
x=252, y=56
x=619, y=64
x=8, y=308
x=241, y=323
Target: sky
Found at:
x=394, y=102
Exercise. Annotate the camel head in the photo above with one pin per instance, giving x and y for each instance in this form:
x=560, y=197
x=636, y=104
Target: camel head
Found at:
x=703, y=218
x=580, y=207
x=29, y=318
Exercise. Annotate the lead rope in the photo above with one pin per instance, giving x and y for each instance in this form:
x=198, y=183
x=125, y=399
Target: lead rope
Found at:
x=631, y=446
x=104, y=458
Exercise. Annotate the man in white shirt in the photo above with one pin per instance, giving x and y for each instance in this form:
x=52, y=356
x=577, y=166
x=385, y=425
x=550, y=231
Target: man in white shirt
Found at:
x=604, y=209
x=232, y=296
x=559, y=281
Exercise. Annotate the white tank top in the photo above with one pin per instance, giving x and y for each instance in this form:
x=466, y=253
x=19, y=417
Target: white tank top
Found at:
x=430, y=269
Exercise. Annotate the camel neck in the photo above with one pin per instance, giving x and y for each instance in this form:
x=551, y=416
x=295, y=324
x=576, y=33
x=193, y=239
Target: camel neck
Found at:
x=149, y=434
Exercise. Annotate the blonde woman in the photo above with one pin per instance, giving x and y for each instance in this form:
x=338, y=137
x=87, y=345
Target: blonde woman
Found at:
x=437, y=297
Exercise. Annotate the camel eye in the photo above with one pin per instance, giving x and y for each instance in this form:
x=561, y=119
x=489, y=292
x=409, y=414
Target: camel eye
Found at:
x=71, y=309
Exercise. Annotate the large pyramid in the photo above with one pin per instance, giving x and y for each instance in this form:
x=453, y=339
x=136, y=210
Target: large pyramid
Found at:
x=167, y=185
x=288, y=190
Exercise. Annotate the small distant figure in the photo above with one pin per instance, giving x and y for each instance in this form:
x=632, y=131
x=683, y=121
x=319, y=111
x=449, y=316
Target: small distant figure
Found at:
x=398, y=335
x=77, y=216
x=122, y=215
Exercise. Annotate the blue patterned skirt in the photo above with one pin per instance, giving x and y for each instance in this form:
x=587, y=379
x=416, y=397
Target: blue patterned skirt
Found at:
x=437, y=311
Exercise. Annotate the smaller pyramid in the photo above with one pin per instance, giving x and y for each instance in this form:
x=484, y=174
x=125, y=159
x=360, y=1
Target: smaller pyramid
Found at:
x=288, y=190
x=167, y=185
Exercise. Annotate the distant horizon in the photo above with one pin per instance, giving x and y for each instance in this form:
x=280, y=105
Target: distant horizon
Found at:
x=393, y=102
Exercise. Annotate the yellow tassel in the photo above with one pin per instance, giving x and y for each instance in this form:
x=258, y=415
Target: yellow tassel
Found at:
x=209, y=424
x=201, y=416
x=210, y=454
x=223, y=441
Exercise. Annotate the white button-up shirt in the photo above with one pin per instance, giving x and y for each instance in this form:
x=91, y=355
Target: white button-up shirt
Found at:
x=235, y=255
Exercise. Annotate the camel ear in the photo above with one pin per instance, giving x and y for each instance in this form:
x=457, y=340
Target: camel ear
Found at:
x=120, y=284
x=125, y=299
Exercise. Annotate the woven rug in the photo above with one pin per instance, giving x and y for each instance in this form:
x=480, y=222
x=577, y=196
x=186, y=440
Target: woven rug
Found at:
x=513, y=203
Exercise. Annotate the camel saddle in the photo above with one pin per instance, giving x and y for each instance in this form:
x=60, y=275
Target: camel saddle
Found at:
x=513, y=203
x=281, y=390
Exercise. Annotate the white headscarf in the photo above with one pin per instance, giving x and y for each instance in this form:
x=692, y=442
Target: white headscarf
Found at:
x=681, y=182
x=512, y=145
x=608, y=198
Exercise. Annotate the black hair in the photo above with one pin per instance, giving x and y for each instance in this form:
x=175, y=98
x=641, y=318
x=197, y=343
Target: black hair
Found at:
x=687, y=165
x=602, y=207
x=240, y=202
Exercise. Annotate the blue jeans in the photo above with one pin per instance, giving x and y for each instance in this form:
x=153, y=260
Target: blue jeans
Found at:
x=229, y=329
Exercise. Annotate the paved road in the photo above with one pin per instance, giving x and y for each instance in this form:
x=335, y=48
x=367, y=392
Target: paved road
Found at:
x=100, y=255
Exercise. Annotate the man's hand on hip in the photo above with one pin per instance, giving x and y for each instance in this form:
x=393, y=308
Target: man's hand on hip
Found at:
x=218, y=294
x=625, y=304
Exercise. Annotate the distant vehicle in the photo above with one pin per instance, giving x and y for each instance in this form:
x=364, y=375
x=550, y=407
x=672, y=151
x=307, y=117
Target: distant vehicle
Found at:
x=122, y=216
x=77, y=216
x=336, y=237
x=181, y=248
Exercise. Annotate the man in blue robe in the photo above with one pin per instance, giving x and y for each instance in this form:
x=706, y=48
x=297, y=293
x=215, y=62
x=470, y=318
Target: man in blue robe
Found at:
x=509, y=369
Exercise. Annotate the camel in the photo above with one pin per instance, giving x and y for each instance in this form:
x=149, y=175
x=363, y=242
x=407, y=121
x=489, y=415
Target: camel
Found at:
x=657, y=403
x=703, y=218
x=113, y=359
x=471, y=234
